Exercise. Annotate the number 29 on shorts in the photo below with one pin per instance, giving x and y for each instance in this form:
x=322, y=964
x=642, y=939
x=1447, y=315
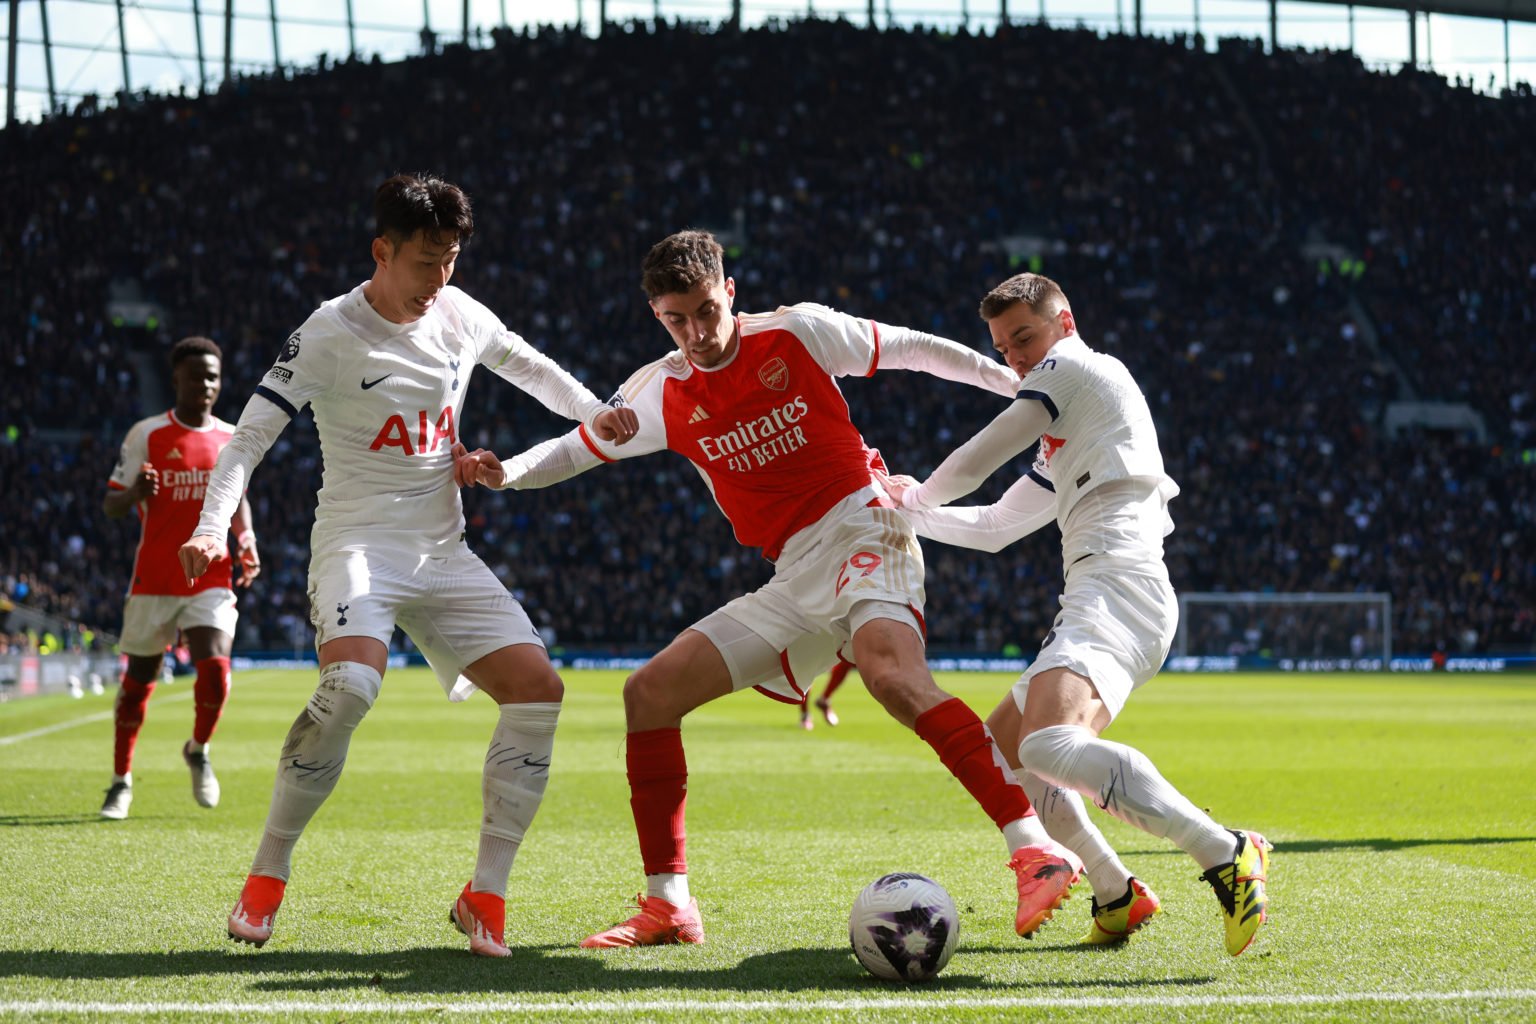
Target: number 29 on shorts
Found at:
x=856, y=567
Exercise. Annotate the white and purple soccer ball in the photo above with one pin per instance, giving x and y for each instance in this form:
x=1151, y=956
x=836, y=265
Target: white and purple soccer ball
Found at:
x=904, y=927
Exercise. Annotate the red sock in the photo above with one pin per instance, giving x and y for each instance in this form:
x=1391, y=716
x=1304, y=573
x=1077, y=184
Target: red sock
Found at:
x=209, y=693
x=131, y=699
x=967, y=750
x=658, y=792
x=839, y=673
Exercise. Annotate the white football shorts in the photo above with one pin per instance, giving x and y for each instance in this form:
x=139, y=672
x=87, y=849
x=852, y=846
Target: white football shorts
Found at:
x=452, y=606
x=150, y=621
x=857, y=563
x=1114, y=628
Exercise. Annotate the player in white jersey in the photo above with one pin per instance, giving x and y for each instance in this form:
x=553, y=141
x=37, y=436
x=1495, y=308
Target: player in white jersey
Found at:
x=1098, y=474
x=385, y=368
x=752, y=402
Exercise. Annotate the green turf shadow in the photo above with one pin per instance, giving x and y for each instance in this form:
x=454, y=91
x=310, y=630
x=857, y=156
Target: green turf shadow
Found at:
x=529, y=970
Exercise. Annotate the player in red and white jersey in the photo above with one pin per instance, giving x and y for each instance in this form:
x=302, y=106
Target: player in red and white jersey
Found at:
x=385, y=369
x=753, y=403
x=161, y=474
x=1099, y=474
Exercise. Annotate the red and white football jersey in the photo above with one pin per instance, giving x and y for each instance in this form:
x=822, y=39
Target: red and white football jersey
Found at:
x=768, y=429
x=184, y=457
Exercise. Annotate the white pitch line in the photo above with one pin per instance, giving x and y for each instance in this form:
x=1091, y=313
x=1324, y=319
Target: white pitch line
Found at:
x=58, y=1006
x=100, y=716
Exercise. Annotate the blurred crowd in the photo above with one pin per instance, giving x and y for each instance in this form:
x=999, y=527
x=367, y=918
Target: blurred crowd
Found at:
x=1181, y=197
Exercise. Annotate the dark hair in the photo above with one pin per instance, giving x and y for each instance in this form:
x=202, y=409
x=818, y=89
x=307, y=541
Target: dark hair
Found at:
x=681, y=262
x=196, y=345
x=408, y=203
x=1036, y=291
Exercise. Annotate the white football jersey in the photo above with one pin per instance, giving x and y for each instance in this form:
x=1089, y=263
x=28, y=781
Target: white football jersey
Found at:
x=1101, y=434
x=387, y=401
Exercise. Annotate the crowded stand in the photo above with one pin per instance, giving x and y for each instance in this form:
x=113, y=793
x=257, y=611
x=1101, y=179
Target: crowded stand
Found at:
x=896, y=175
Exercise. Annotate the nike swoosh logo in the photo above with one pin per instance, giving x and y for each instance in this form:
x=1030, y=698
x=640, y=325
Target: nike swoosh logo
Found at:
x=370, y=383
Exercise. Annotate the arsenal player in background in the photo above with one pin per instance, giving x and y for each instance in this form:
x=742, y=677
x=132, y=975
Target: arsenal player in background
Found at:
x=752, y=401
x=161, y=475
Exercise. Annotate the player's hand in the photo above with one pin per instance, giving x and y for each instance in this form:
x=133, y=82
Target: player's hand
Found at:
x=477, y=467
x=147, y=483
x=198, y=554
x=250, y=562
x=898, y=485
x=616, y=425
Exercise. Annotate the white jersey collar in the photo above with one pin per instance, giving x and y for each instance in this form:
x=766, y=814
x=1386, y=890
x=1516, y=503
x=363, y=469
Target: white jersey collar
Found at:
x=213, y=421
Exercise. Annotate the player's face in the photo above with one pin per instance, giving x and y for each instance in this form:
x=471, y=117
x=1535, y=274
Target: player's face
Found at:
x=1023, y=337
x=196, y=380
x=407, y=277
x=700, y=321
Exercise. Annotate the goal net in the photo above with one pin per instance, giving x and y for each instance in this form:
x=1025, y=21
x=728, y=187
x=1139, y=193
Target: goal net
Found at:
x=1307, y=631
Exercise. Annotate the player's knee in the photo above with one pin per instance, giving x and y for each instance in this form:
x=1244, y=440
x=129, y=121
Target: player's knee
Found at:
x=1052, y=752
x=541, y=685
x=346, y=692
x=641, y=691
x=652, y=692
x=353, y=677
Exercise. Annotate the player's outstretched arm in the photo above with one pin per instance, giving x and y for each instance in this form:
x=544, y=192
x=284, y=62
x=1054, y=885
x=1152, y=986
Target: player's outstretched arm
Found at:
x=551, y=462
x=902, y=348
x=1015, y=429
x=544, y=464
x=259, y=426
x=1023, y=509
x=546, y=380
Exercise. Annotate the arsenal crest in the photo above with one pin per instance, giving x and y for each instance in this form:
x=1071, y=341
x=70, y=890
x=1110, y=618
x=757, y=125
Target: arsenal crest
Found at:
x=774, y=374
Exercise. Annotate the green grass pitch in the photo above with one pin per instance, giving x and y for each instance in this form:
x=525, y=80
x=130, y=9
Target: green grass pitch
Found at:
x=1400, y=807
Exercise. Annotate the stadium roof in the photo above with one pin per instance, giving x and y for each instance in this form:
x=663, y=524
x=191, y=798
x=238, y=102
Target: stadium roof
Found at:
x=90, y=48
x=1511, y=10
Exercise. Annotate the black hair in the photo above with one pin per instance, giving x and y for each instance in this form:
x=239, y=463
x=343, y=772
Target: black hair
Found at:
x=411, y=203
x=196, y=345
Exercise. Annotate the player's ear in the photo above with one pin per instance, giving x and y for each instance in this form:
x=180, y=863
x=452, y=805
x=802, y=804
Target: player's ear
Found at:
x=654, y=311
x=382, y=251
x=730, y=291
x=1068, y=324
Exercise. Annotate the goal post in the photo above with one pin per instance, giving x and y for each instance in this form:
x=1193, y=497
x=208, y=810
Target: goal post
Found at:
x=1288, y=631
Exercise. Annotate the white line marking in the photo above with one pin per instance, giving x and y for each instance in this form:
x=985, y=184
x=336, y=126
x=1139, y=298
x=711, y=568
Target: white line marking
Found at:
x=56, y=1006
x=99, y=716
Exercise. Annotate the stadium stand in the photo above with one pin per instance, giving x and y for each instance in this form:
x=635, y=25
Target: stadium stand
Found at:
x=1279, y=246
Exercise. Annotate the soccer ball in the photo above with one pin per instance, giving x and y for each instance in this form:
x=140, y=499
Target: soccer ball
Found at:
x=904, y=927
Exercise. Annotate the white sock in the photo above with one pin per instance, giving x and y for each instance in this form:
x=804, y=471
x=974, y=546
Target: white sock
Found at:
x=194, y=747
x=1062, y=813
x=125, y=777
x=1123, y=782
x=313, y=755
x=672, y=888
x=1028, y=831
x=512, y=787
